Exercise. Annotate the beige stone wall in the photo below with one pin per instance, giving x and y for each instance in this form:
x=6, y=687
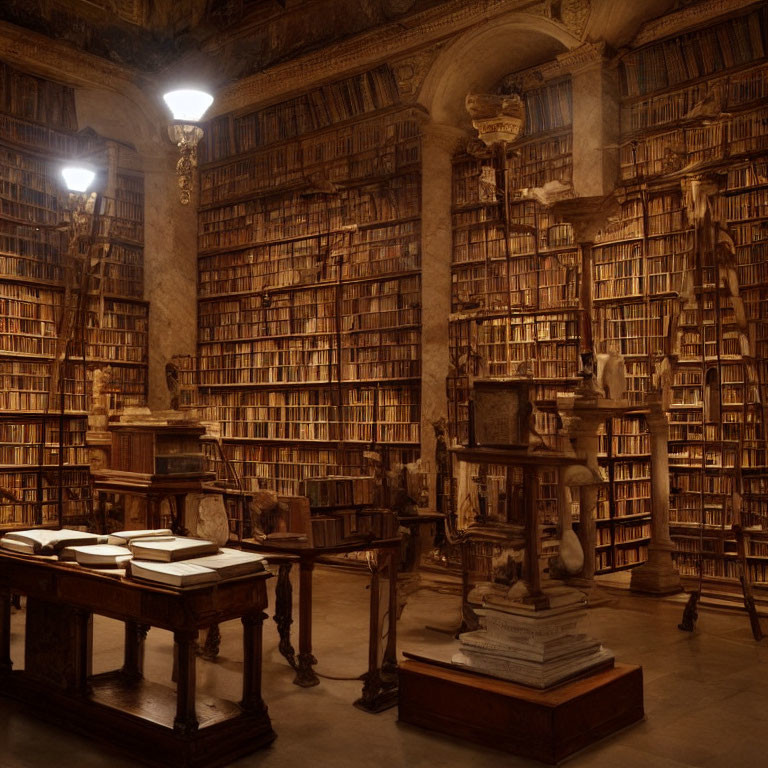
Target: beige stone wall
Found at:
x=170, y=229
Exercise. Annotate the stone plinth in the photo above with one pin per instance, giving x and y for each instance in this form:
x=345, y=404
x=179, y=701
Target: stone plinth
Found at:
x=535, y=647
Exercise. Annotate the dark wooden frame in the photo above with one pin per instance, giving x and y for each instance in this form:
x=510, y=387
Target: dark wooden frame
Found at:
x=150, y=722
x=380, y=681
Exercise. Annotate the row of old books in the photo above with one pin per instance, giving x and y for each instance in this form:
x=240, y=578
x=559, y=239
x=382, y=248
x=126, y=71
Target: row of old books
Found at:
x=35, y=99
x=674, y=149
x=480, y=183
x=319, y=108
x=297, y=216
x=387, y=414
x=285, y=468
x=31, y=496
x=24, y=386
x=695, y=54
x=374, y=253
x=374, y=148
x=736, y=90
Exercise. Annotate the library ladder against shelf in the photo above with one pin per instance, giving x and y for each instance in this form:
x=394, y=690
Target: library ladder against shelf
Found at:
x=380, y=681
x=151, y=722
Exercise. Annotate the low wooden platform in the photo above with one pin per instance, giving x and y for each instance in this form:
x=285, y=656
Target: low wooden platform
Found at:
x=545, y=725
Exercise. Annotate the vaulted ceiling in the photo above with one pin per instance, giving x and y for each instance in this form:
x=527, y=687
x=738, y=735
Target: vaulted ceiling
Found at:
x=243, y=35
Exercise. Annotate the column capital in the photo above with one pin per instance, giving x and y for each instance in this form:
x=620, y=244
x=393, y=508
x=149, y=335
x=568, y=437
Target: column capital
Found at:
x=448, y=138
x=587, y=215
x=656, y=417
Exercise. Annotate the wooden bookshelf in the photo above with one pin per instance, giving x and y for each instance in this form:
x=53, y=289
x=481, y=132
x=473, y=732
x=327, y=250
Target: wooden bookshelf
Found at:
x=624, y=502
x=694, y=104
x=46, y=480
x=309, y=279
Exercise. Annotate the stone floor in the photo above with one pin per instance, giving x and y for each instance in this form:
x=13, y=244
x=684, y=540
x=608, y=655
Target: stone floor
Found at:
x=706, y=694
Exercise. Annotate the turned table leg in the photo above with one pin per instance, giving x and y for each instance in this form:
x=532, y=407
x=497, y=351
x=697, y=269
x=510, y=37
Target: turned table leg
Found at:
x=284, y=612
x=252, y=645
x=380, y=681
x=305, y=675
x=186, y=718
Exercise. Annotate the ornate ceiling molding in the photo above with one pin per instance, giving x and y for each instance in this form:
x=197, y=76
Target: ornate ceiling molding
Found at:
x=584, y=57
x=58, y=61
x=410, y=36
x=673, y=23
x=411, y=70
x=39, y=55
x=568, y=63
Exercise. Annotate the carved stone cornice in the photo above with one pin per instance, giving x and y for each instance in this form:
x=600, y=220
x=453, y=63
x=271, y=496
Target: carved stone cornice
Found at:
x=388, y=42
x=62, y=63
x=567, y=63
x=572, y=14
x=679, y=21
x=411, y=70
x=584, y=57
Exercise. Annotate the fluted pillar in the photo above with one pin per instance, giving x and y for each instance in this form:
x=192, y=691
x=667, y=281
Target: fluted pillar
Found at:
x=439, y=144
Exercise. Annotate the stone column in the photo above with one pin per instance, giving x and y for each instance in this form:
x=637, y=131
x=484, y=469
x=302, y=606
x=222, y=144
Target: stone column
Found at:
x=170, y=267
x=595, y=119
x=439, y=144
x=658, y=576
x=587, y=446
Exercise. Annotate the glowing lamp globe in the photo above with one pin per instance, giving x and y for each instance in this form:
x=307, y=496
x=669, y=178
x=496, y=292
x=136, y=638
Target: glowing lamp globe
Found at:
x=188, y=105
x=78, y=178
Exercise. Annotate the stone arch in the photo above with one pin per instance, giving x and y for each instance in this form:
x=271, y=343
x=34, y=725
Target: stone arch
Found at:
x=480, y=57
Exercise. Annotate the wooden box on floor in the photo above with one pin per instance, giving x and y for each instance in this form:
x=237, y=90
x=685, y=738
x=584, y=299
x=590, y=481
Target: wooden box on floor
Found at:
x=546, y=725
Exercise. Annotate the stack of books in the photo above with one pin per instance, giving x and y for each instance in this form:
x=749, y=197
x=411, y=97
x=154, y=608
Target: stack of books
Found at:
x=149, y=555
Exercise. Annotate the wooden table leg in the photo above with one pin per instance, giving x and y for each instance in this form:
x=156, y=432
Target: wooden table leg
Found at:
x=133, y=659
x=178, y=523
x=305, y=675
x=252, y=645
x=83, y=627
x=389, y=662
x=186, y=717
x=210, y=649
x=284, y=612
x=380, y=681
x=6, y=664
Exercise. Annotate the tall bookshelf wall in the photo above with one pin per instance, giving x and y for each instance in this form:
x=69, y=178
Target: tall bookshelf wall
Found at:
x=38, y=120
x=309, y=284
x=682, y=315
x=693, y=108
x=515, y=314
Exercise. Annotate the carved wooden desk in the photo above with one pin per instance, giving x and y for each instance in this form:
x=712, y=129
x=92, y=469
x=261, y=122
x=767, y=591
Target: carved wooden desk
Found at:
x=380, y=681
x=149, y=721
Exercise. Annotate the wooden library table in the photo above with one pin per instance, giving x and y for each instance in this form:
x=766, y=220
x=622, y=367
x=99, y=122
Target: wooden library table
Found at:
x=380, y=681
x=151, y=722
